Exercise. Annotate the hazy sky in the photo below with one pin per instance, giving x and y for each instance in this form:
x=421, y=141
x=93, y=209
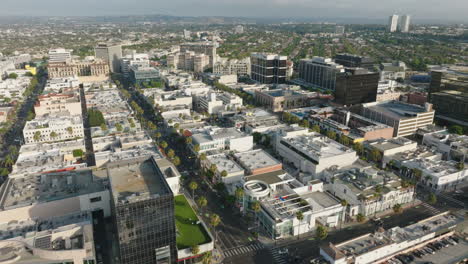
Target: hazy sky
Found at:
x=423, y=9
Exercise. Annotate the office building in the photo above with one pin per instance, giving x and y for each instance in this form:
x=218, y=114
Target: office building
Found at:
x=393, y=23
x=53, y=128
x=354, y=61
x=134, y=60
x=280, y=99
x=257, y=162
x=281, y=196
x=344, y=123
x=60, y=55
x=268, y=68
x=357, y=184
x=356, y=86
x=143, y=211
x=390, y=147
x=313, y=153
x=216, y=138
x=382, y=245
x=207, y=48
x=239, y=29
x=224, y=164
x=96, y=68
x=187, y=34
x=340, y=30
x=404, y=24
x=112, y=54
x=320, y=72
x=57, y=103
x=392, y=71
x=189, y=61
x=448, y=92
x=404, y=118
x=232, y=66
x=140, y=75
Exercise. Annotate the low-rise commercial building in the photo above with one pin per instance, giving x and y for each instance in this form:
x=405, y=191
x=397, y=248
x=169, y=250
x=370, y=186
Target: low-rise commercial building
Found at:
x=51, y=103
x=53, y=128
x=392, y=71
x=404, y=118
x=382, y=245
x=215, y=138
x=452, y=146
x=257, y=162
x=313, y=153
x=280, y=99
x=227, y=170
x=390, y=147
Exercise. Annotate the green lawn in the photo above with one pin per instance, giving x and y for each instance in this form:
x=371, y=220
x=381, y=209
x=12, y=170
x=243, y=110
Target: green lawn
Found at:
x=188, y=232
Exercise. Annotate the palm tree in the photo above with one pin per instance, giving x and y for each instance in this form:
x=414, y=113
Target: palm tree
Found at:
x=13, y=150
x=331, y=135
x=397, y=208
x=53, y=134
x=206, y=259
x=376, y=156
x=37, y=136
x=256, y=208
x=170, y=153
x=70, y=130
x=157, y=135
x=195, y=250
x=321, y=233
x=360, y=218
x=188, y=140
x=196, y=148
x=176, y=161
x=224, y=173
x=193, y=186
x=359, y=148
x=300, y=217
x=163, y=144
x=316, y=128
x=202, y=202
x=215, y=220
x=239, y=193
x=213, y=168
x=8, y=161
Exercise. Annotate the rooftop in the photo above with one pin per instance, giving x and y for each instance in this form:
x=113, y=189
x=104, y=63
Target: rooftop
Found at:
x=388, y=144
x=223, y=163
x=256, y=159
x=190, y=231
x=133, y=180
x=207, y=134
x=396, y=109
x=26, y=190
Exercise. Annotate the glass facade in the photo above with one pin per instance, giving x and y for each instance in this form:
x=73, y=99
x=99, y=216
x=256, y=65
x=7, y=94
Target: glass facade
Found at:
x=146, y=231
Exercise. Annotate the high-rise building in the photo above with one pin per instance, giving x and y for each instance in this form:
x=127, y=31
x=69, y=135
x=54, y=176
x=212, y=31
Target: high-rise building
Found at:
x=339, y=30
x=111, y=54
x=59, y=55
x=189, y=61
x=351, y=60
x=448, y=92
x=320, y=72
x=239, y=29
x=143, y=210
x=207, y=48
x=268, y=68
x=356, y=86
x=134, y=60
x=405, y=23
x=393, y=23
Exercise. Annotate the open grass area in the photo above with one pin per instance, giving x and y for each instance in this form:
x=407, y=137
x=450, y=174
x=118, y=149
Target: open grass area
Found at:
x=189, y=233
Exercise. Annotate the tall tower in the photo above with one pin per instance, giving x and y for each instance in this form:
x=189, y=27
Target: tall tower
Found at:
x=393, y=23
x=405, y=23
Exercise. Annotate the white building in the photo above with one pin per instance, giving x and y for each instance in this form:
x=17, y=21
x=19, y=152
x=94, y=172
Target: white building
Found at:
x=405, y=23
x=281, y=197
x=53, y=128
x=223, y=163
x=216, y=138
x=393, y=23
x=60, y=55
x=390, y=147
x=134, y=60
x=313, y=153
x=167, y=99
x=57, y=85
x=226, y=66
x=382, y=245
x=368, y=190
x=452, y=146
x=213, y=103
x=239, y=29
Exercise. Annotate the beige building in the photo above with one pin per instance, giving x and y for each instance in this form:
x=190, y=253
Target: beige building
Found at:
x=280, y=99
x=189, y=61
x=92, y=68
x=56, y=103
x=404, y=118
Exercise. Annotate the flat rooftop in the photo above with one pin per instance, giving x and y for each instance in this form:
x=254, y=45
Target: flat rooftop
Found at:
x=384, y=145
x=223, y=163
x=213, y=133
x=136, y=179
x=26, y=190
x=269, y=177
x=256, y=159
x=396, y=109
x=315, y=146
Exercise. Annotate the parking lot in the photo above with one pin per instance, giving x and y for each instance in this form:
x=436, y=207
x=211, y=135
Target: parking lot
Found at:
x=442, y=251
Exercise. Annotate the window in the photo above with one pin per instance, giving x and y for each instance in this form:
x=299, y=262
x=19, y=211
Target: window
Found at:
x=95, y=199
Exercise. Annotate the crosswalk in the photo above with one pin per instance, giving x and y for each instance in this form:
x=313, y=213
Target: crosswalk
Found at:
x=460, y=203
x=242, y=250
x=431, y=208
x=278, y=258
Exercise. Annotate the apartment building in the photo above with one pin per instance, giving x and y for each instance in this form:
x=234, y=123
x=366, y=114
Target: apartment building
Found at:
x=189, y=61
x=207, y=48
x=226, y=66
